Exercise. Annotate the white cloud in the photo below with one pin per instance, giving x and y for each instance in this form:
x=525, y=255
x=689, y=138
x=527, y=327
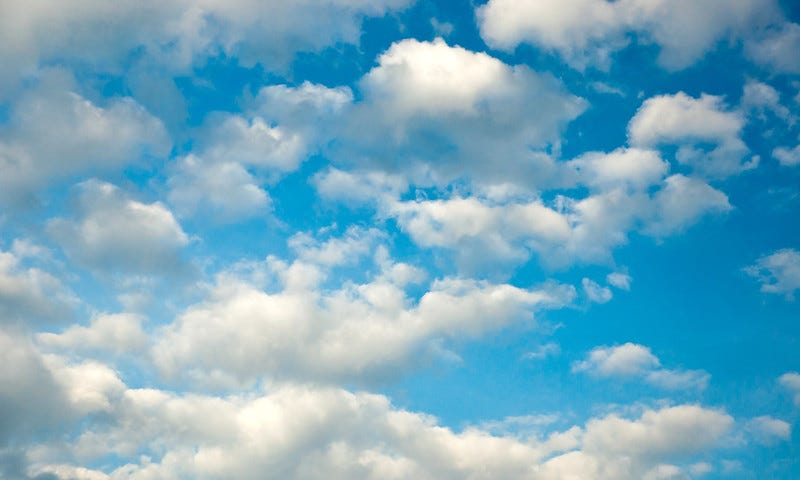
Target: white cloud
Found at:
x=353, y=332
x=54, y=133
x=306, y=432
x=791, y=382
x=543, y=351
x=441, y=112
x=759, y=98
x=118, y=333
x=112, y=232
x=768, y=430
x=637, y=361
x=776, y=48
x=628, y=168
x=619, y=280
x=682, y=202
x=174, y=34
x=788, y=157
x=595, y=292
x=30, y=295
x=223, y=191
x=687, y=122
x=778, y=272
x=587, y=32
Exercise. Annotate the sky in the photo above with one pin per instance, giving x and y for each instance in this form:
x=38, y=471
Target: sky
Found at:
x=399, y=239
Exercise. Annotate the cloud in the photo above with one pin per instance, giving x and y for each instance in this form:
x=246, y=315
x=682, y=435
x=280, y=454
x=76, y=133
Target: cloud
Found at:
x=595, y=292
x=767, y=430
x=236, y=155
x=587, y=32
x=776, y=48
x=310, y=432
x=791, y=382
x=688, y=123
x=543, y=351
x=30, y=296
x=619, y=280
x=54, y=133
x=353, y=332
x=682, y=202
x=625, y=167
x=778, y=273
x=114, y=233
x=788, y=157
x=637, y=361
x=117, y=333
x=174, y=35
x=435, y=113
x=224, y=192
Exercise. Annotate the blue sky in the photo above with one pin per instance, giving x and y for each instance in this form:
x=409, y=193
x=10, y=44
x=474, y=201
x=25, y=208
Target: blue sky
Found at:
x=362, y=239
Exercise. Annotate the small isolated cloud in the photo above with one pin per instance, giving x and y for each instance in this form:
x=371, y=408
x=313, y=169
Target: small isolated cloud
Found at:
x=788, y=157
x=778, y=273
x=595, y=292
x=776, y=48
x=543, y=351
x=619, y=280
x=637, y=361
x=767, y=430
x=791, y=382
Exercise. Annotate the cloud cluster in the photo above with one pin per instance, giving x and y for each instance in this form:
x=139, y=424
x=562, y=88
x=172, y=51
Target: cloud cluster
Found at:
x=778, y=273
x=634, y=361
x=587, y=32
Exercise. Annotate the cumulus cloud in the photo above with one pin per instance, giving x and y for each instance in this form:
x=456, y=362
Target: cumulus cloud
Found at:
x=29, y=295
x=788, y=157
x=174, y=34
x=354, y=332
x=688, y=123
x=117, y=333
x=237, y=154
x=298, y=431
x=637, y=361
x=587, y=32
x=791, y=382
x=435, y=113
x=595, y=292
x=619, y=280
x=54, y=133
x=114, y=233
x=778, y=272
x=767, y=430
x=776, y=48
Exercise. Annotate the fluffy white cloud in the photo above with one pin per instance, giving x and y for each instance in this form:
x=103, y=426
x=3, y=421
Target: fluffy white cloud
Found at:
x=435, y=113
x=174, y=34
x=118, y=333
x=223, y=191
x=297, y=431
x=569, y=231
x=778, y=272
x=768, y=430
x=637, y=361
x=687, y=123
x=115, y=233
x=236, y=154
x=595, y=292
x=355, y=332
x=587, y=32
x=760, y=98
x=791, y=382
x=682, y=202
x=788, y=157
x=619, y=280
x=29, y=295
x=627, y=168
x=776, y=48
x=55, y=133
